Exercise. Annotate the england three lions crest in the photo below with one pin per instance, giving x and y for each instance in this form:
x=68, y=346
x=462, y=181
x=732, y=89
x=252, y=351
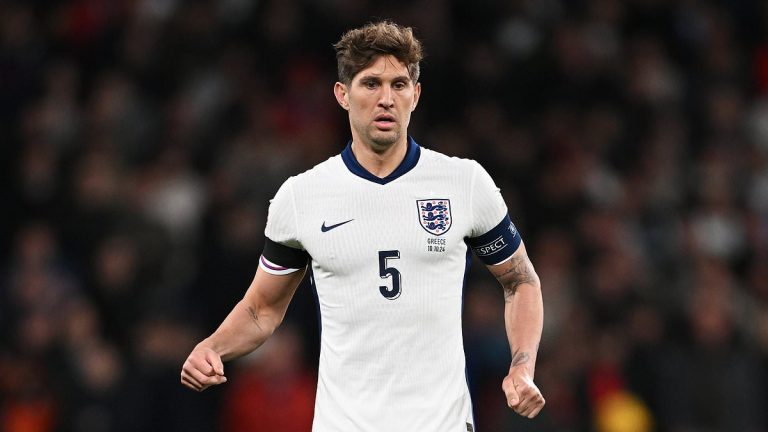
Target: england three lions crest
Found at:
x=435, y=215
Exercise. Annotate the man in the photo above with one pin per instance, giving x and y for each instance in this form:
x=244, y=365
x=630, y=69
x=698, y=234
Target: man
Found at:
x=385, y=226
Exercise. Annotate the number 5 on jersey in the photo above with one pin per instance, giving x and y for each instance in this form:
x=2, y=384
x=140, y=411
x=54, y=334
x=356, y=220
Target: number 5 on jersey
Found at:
x=386, y=272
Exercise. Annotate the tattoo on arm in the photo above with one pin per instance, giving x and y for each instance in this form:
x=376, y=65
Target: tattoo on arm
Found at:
x=519, y=271
x=519, y=358
x=254, y=316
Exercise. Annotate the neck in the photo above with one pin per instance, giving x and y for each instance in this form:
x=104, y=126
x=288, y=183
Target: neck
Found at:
x=380, y=162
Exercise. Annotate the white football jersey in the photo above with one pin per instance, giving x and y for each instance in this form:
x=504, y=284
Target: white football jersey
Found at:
x=388, y=260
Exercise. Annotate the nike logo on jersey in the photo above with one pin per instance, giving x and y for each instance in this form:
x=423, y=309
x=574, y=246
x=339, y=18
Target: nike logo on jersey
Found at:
x=330, y=227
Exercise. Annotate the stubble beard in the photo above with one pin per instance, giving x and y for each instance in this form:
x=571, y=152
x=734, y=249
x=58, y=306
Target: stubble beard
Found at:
x=379, y=140
x=383, y=141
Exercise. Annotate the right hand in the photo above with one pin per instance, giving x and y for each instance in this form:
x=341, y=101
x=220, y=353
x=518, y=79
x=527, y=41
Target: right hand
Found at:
x=202, y=369
x=523, y=396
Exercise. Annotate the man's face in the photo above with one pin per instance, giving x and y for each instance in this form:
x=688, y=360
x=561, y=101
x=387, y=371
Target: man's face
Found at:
x=380, y=100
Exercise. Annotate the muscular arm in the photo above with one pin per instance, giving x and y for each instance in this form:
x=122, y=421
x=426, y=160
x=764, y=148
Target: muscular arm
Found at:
x=248, y=325
x=524, y=318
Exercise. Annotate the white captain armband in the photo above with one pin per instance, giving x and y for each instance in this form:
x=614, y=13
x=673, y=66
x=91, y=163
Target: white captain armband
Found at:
x=278, y=259
x=498, y=244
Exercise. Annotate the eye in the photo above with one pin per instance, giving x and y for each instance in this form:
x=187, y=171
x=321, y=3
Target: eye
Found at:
x=400, y=85
x=370, y=85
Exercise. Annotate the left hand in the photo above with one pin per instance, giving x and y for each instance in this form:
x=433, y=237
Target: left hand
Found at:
x=522, y=394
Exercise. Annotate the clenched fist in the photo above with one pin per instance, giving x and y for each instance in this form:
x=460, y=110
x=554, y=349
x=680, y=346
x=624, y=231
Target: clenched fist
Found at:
x=522, y=394
x=202, y=369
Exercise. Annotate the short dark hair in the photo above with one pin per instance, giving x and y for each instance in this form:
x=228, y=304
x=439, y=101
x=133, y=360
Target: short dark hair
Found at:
x=359, y=47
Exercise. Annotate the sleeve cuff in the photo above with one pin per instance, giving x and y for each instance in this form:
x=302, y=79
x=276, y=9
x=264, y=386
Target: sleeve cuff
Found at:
x=498, y=244
x=272, y=268
x=281, y=259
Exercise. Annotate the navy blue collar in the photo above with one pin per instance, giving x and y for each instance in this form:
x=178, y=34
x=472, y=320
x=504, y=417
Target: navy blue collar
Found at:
x=409, y=161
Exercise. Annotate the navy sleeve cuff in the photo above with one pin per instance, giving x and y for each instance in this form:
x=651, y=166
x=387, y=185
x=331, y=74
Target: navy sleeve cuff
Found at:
x=498, y=244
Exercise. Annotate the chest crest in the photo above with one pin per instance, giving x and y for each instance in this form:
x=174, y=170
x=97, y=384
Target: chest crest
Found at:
x=435, y=215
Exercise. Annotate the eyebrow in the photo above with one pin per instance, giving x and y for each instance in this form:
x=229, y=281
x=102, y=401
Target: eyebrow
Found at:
x=405, y=78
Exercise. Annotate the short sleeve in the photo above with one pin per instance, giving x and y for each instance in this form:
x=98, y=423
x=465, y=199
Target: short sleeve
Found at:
x=283, y=252
x=488, y=207
x=493, y=237
x=281, y=219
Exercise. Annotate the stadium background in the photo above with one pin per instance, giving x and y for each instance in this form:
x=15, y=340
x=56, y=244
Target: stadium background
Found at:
x=142, y=139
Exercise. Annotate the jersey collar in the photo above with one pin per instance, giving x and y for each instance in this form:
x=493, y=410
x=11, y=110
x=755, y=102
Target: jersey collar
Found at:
x=409, y=162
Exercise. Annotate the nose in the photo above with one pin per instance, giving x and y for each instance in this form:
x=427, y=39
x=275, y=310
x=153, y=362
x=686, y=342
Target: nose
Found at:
x=386, y=99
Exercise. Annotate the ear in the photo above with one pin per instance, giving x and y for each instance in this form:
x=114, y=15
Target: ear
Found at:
x=416, y=95
x=342, y=95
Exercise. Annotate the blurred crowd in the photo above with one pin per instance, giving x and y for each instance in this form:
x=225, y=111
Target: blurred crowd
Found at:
x=140, y=142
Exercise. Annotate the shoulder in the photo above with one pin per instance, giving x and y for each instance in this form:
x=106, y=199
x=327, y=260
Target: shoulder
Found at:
x=327, y=170
x=465, y=171
x=434, y=159
x=308, y=181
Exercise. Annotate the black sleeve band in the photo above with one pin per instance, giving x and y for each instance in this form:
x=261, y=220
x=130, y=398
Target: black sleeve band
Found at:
x=497, y=244
x=284, y=256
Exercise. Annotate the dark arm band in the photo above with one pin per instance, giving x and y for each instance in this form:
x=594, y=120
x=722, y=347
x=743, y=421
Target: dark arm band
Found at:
x=497, y=244
x=285, y=256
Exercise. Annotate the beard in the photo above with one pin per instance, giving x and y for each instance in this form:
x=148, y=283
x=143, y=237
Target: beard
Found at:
x=379, y=140
x=384, y=139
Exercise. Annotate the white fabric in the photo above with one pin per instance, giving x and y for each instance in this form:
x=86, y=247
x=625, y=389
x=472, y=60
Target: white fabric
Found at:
x=388, y=365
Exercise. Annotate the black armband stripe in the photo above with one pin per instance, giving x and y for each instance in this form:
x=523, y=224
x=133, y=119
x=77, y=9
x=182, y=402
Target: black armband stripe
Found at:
x=497, y=244
x=284, y=256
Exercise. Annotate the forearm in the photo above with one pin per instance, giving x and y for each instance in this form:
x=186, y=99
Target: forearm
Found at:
x=242, y=331
x=255, y=317
x=524, y=319
x=523, y=307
